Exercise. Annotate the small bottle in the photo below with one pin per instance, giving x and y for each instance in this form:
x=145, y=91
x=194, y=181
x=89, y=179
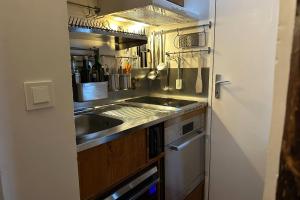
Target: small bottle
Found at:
x=85, y=72
x=97, y=70
x=75, y=71
x=94, y=74
x=106, y=74
x=77, y=76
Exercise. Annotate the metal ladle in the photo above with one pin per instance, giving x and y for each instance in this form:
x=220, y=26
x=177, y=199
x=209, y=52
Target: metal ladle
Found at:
x=162, y=65
x=152, y=75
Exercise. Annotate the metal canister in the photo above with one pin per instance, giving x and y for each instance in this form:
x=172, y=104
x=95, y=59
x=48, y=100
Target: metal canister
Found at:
x=114, y=82
x=125, y=81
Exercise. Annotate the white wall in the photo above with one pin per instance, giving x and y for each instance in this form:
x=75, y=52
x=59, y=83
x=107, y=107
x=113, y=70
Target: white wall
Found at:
x=38, y=148
x=245, y=49
x=282, y=68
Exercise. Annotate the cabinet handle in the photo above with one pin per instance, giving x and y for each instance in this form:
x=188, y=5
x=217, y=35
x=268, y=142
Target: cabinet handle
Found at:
x=182, y=143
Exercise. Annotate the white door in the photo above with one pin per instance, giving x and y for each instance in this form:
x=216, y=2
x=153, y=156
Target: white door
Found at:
x=245, y=43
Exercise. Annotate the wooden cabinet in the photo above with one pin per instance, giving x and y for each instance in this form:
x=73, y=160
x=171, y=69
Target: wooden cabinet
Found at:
x=178, y=2
x=103, y=167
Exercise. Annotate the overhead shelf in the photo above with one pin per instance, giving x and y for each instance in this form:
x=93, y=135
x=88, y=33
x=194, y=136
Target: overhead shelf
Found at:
x=121, y=40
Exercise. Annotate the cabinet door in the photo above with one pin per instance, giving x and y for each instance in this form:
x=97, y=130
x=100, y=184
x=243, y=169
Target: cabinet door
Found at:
x=178, y=2
x=104, y=166
x=127, y=155
x=93, y=165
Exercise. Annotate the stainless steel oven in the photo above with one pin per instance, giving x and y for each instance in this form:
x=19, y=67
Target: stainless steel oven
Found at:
x=185, y=157
x=142, y=187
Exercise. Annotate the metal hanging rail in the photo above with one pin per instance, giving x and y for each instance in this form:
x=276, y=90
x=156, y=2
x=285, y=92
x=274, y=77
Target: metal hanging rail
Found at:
x=83, y=49
x=208, y=50
x=209, y=25
x=96, y=9
x=125, y=57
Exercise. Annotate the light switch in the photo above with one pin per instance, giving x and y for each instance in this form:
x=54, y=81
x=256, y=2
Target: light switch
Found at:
x=39, y=95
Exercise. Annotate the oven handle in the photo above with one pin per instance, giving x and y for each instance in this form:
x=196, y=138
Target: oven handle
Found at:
x=183, y=142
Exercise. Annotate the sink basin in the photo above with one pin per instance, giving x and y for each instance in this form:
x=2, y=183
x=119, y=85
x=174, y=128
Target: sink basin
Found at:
x=92, y=123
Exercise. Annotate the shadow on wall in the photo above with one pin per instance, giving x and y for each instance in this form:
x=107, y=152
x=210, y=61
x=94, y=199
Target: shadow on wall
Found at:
x=232, y=174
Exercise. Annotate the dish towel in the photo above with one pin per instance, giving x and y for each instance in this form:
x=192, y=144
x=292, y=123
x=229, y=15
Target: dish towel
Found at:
x=199, y=85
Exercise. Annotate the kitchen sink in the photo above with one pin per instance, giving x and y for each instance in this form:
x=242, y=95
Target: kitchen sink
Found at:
x=91, y=123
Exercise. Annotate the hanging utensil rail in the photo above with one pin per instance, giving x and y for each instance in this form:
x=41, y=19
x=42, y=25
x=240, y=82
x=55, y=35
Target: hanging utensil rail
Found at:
x=96, y=9
x=209, y=25
x=208, y=50
x=125, y=57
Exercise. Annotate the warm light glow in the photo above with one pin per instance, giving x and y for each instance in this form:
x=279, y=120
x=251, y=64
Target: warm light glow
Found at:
x=120, y=19
x=140, y=24
x=114, y=26
x=137, y=27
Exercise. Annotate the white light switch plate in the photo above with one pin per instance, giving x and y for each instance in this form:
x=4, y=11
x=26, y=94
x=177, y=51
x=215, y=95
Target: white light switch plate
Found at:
x=39, y=95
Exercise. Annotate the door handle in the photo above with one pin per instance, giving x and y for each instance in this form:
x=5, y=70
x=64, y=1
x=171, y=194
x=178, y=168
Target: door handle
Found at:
x=218, y=84
x=180, y=144
x=223, y=82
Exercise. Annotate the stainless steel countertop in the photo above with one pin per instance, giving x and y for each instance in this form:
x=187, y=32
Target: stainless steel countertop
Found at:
x=131, y=125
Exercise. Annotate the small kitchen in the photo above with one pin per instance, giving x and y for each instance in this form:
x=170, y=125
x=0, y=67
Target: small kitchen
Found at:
x=139, y=99
x=140, y=88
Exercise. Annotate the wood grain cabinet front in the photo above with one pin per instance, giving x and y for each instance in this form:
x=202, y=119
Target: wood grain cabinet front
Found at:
x=103, y=167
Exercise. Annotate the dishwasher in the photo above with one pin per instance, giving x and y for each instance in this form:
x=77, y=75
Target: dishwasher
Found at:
x=184, y=157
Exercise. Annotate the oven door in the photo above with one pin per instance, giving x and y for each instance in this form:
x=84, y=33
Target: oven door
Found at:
x=143, y=187
x=185, y=167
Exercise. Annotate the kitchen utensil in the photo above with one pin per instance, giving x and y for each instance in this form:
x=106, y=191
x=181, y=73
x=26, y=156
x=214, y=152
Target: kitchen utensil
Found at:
x=114, y=82
x=143, y=51
x=162, y=65
x=125, y=81
x=179, y=79
x=152, y=75
x=167, y=86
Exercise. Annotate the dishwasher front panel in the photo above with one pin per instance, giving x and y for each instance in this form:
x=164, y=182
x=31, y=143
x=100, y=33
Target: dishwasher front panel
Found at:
x=185, y=165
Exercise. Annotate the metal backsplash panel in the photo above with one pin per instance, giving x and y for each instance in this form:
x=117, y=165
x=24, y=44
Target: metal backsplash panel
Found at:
x=189, y=77
x=146, y=86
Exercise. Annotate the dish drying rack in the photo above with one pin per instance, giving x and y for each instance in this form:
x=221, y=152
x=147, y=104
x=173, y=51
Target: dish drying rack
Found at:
x=129, y=112
x=93, y=29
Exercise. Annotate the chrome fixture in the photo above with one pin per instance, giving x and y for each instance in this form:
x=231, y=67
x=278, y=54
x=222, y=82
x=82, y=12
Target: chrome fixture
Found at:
x=218, y=84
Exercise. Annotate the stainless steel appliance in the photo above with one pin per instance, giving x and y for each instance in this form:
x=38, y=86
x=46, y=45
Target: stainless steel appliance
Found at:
x=155, y=12
x=185, y=157
x=142, y=187
x=92, y=91
x=177, y=103
x=125, y=81
x=114, y=82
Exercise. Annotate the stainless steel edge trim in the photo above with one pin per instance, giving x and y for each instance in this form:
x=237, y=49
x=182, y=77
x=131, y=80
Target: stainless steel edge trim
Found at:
x=128, y=127
x=132, y=184
x=184, y=141
x=144, y=190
